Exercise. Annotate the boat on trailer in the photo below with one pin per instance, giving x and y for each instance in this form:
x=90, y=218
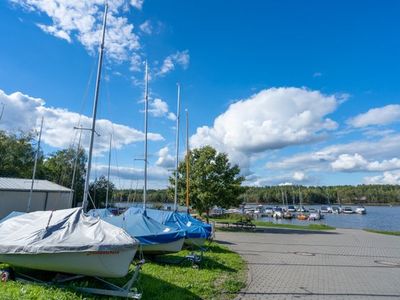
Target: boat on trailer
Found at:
x=66, y=241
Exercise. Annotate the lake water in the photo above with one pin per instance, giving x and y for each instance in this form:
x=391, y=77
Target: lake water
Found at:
x=377, y=217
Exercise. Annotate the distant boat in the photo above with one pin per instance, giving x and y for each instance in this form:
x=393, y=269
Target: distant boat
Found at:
x=348, y=210
x=291, y=208
x=326, y=209
x=302, y=217
x=336, y=209
x=314, y=216
x=302, y=209
x=278, y=212
x=361, y=210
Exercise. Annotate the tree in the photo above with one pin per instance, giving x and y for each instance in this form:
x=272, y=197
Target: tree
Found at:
x=98, y=191
x=17, y=155
x=213, y=181
x=59, y=168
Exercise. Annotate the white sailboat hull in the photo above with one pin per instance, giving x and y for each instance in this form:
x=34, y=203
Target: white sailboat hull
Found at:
x=97, y=263
x=163, y=248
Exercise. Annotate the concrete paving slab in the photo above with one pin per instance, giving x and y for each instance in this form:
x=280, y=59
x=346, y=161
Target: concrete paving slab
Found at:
x=297, y=264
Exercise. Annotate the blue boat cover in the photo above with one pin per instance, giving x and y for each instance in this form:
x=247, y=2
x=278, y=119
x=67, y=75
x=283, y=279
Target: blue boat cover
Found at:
x=145, y=229
x=100, y=212
x=181, y=221
x=188, y=218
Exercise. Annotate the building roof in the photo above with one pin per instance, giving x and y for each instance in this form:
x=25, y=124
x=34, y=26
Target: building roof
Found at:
x=21, y=184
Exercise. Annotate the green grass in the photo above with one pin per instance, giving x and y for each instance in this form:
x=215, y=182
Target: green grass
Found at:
x=383, y=232
x=221, y=275
x=294, y=226
x=271, y=224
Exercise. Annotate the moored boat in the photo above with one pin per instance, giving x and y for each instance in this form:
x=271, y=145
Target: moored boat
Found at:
x=66, y=241
x=361, y=210
x=347, y=210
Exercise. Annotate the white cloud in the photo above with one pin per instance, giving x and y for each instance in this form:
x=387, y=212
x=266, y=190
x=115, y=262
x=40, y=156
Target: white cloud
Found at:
x=132, y=173
x=159, y=108
x=58, y=124
x=347, y=162
x=385, y=178
x=56, y=32
x=299, y=176
x=271, y=119
x=137, y=3
x=377, y=116
x=82, y=19
x=317, y=74
x=146, y=27
x=165, y=160
x=181, y=58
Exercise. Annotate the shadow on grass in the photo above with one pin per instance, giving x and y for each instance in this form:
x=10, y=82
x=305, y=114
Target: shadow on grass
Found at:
x=206, y=263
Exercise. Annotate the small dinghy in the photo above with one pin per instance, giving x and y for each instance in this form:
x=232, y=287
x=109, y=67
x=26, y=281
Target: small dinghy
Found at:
x=66, y=241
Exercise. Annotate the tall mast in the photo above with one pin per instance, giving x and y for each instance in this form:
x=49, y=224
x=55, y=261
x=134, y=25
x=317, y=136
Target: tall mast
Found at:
x=146, y=109
x=187, y=161
x=34, y=167
x=178, y=111
x=75, y=165
x=96, y=98
x=108, y=172
x=2, y=110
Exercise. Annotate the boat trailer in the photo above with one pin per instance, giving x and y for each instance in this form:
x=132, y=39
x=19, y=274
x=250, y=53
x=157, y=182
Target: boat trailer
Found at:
x=59, y=280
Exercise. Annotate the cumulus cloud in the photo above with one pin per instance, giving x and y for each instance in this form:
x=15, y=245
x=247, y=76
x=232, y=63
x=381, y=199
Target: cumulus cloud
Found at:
x=58, y=124
x=137, y=3
x=146, y=27
x=271, y=119
x=165, y=160
x=297, y=177
x=131, y=173
x=180, y=58
x=377, y=116
x=159, y=108
x=385, y=178
x=83, y=20
x=347, y=162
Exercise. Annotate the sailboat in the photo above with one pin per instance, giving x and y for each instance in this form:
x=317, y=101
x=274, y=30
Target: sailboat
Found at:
x=197, y=232
x=154, y=237
x=67, y=240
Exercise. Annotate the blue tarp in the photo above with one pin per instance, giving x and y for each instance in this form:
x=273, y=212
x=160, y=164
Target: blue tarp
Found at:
x=145, y=229
x=183, y=221
x=100, y=212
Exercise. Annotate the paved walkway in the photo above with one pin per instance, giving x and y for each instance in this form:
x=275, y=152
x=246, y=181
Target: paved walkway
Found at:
x=296, y=264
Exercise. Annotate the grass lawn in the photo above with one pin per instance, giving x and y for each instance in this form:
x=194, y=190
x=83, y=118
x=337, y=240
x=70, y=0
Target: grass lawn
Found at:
x=271, y=224
x=221, y=275
x=383, y=232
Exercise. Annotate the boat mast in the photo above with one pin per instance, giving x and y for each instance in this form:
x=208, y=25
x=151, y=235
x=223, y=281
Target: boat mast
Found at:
x=2, y=110
x=177, y=147
x=75, y=165
x=96, y=98
x=34, y=167
x=108, y=172
x=146, y=109
x=187, y=161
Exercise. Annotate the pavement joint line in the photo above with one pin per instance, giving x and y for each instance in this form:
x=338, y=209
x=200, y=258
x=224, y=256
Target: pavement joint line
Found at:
x=321, y=294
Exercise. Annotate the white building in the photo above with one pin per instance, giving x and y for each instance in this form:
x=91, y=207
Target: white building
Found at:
x=14, y=195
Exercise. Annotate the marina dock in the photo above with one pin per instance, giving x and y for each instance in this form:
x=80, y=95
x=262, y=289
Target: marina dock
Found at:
x=299, y=264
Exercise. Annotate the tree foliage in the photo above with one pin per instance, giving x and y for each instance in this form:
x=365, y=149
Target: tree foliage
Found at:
x=17, y=155
x=59, y=167
x=213, y=181
x=346, y=194
x=98, y=192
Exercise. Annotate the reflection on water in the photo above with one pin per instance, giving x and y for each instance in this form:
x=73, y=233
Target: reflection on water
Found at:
x=377, y=217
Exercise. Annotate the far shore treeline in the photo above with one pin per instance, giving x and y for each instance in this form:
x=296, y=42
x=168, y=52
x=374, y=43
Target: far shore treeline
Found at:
x=213, y=180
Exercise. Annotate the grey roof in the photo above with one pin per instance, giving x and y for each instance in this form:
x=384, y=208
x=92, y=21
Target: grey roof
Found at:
x=21, y=184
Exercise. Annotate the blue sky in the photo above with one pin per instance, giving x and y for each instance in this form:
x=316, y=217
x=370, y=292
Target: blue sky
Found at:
x=301, y=92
